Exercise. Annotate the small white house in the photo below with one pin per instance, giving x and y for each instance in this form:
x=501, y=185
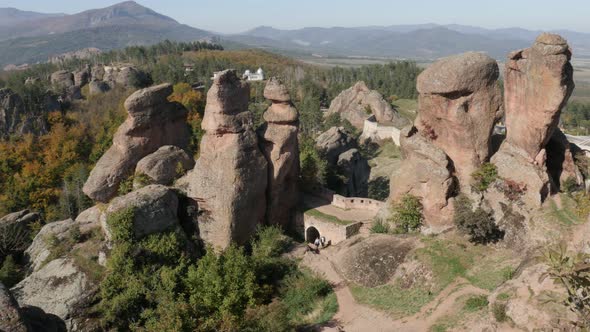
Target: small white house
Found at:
x=257, y=76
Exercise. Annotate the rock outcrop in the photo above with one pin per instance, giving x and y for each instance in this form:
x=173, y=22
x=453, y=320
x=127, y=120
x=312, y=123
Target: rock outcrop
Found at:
x=127, y=76
x=155, y=210
x=358, y=103
x=230, y=177
x=10, y=316
x=278, y=141
x=82, y=77
x=152, y=122
x=460, y=102
x=62, y=79
x=165, y=165
x=98, y=87
x=341, y=152
x=333, y=142
x=426, y=172
x=15, y=120
x=538, y=83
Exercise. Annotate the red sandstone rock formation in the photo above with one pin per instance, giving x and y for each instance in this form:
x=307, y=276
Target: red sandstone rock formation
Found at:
x=153, y=122
x=278, y=141
x=459, y=104
x=230, y=177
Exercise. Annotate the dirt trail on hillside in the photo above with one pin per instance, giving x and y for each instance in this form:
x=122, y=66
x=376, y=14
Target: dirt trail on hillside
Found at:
x=353, y=317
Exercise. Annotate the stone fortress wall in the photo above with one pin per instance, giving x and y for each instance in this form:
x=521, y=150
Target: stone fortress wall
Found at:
x=379, y=131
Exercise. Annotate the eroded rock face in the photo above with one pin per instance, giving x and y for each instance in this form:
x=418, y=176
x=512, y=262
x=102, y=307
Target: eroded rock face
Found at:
x=560, y=160
x=230, y=177
x=278, y=142
x=10, y=316
x=155, y=210
x=39, y=250
x=459, y=104
x=341, y=152
x=82, y=77
x=335, y=141
x=14, y=120
x=538, y=82
x=165, y=165
x=98, y=87
x=62, y=79
x=426, y=172
x=359, y=102
x=152, y=122
x=59, y=288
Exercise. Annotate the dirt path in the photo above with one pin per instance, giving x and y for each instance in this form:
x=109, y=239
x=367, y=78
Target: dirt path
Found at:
x=352, y=316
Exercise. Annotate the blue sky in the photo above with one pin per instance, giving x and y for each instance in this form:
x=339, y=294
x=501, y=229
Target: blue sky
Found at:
x=240, y=15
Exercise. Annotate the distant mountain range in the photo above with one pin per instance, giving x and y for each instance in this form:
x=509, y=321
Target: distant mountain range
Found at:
x=28, y=37
x=34, y=37
x=423, y=41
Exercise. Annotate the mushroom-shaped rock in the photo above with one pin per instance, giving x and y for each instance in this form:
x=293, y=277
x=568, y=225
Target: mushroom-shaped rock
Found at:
x=152, y=122
x=154, y=208
x=230, y=177
x=165, y=165
x=278, y=142
x=459, y=104
x=358, y=103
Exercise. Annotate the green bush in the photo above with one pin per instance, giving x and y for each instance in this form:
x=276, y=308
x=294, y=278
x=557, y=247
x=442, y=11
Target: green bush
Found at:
x=475, y=303
x=300, y=292
x=269, y=242
x=407, y=214
x=379, y=188
x=10, y=273
x=570, y=185
x=478, y=225
x=380, y=227
x=121, y=224
x=484, y=177
x=499, y=311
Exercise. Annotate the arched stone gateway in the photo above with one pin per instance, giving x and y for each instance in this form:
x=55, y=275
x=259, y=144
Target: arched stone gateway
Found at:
x=311, y=233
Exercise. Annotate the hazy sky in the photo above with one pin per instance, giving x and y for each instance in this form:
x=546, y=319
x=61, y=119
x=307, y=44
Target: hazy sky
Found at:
x=240, y=15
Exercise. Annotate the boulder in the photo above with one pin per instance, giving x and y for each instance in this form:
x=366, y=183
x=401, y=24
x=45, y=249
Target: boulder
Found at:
x=97, y=73
x=427, y=173
x=152, y=122
x=538, y=82
x=82, y=77
x=39, y=251
x=230, y=177
x=62, y=79
x=358, y=103
x=23, y=218
x=59, y=288
x=278, y=142
x=334, y=142
x=165, y=165
x=527, y=305
x=128, y=77
x=459, y=104
x=98, y=87
x=155, y=210
x=11, y=319
x=356, y=171
x=90, y=218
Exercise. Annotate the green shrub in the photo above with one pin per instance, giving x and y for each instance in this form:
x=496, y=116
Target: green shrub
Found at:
x=499, y=311
x=126, y=186
x=121, y=224
x=141, y=180
x=379, y=188
x=10, y=273
x=269, y=242
x=475, y=303
x=570, y=185
x=484, y=177
x=300, y=292
x=478, y=225
x=407, y=214
x=380, y=227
